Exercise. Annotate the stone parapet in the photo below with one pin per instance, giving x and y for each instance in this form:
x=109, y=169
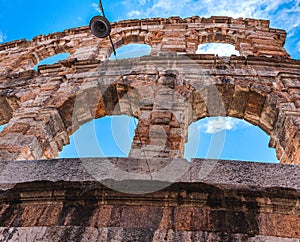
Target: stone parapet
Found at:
x=210, y=201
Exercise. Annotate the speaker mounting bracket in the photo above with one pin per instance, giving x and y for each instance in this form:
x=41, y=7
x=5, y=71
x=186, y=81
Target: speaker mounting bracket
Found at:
x=100, y=26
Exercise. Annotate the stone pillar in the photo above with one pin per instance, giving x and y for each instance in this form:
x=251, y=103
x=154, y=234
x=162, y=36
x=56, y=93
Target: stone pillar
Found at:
x=33, y=133
x=162, y=128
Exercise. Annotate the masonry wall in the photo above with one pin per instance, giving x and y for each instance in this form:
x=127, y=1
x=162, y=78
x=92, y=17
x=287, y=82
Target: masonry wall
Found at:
x=166, y=91
x=154, y=195
x=59, y=200
x=42, y=109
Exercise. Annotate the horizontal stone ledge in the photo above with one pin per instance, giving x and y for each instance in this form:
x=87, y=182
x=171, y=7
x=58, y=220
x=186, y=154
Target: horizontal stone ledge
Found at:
x=236, y=174
x=155, y=193
x=182, y=60
x=72, y=233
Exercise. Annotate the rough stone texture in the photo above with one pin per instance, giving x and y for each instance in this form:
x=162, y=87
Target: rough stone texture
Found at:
x=249, y=36
x=215, y=172
x=172, y=200
x=166, y=93
x=83, y=234
x=58, y=200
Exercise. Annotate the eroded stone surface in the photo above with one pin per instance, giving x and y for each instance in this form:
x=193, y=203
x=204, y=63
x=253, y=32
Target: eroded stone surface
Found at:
x=58, y=206
x=83, y=234
x=154, y=195
x=217, y=172
x=249, y=36
x=166, y=93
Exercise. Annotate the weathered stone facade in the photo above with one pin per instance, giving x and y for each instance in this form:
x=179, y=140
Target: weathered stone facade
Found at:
x=261, y=86
x=166, y=91
x=236, y=202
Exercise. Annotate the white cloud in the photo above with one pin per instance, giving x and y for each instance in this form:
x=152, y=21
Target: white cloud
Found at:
x=283, y=14
x=96, y=7
x=166, y=8
x=133, y=13
x=217, y=49
x=219, y=124
x=2, y=37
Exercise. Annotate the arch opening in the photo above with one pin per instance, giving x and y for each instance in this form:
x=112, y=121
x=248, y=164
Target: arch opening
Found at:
x=131, y=51
x=229, y=139
x=2, y=127
x=52, y=60
x=220, y=49
x=110, y=136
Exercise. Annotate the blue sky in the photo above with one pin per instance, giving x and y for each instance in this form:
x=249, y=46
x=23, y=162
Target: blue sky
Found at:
x=26, y=19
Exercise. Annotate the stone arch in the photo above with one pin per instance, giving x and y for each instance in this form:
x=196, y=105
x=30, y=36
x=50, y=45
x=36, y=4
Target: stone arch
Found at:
x=210, y=137
x=218, y=35
x=124, y=95
x=40, y=57
x=257, y=104
x=85, y=67
x=97, y=102
x=238, y=101
x=41, y=48
x=254, y=99
x=137, y=35
x=42, y=133
x=52, y=60
x=250, y=36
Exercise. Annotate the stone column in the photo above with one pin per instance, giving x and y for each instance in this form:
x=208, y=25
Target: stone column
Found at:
x=162, y=128
x=32, y=134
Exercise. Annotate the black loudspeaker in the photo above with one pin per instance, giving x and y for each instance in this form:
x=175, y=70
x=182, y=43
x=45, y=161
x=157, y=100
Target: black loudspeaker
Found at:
x=100, y=26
